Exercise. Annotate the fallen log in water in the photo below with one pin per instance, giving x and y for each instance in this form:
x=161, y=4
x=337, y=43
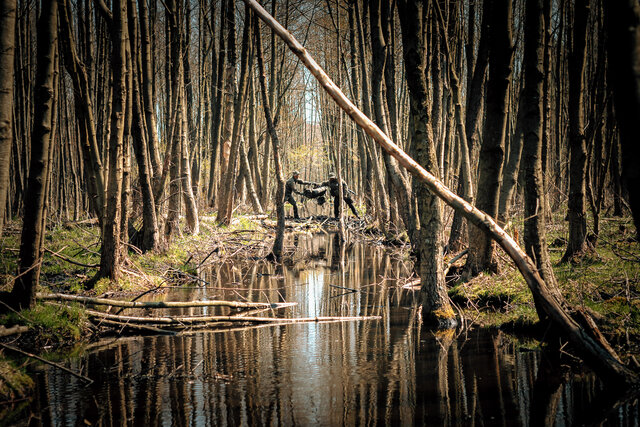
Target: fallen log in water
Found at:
x=134, y=326
x=189, y=320
x=161, y=304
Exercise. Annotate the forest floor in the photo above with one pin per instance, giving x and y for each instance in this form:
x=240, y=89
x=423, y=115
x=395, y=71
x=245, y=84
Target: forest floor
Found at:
x=606, y=282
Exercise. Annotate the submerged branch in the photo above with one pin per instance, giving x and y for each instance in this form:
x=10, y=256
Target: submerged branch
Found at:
x=160, y=304
x=189, y=320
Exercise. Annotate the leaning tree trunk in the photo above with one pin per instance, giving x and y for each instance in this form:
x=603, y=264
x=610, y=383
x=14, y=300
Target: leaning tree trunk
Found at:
x=604, y=362
x=481, y=247
x=429, y=238
x=577, y=213
x=33, y=227
x=535, y=243
x=623, y=25
x=111, y=253
x=7, y=48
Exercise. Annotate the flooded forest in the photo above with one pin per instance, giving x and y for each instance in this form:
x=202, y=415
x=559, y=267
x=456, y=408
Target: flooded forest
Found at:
x=319, y=212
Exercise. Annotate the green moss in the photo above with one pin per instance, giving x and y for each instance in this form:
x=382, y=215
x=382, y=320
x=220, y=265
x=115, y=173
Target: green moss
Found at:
x=14, y=382
x=54, y=323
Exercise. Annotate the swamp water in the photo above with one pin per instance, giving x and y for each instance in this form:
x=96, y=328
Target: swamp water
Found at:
x=386, y=371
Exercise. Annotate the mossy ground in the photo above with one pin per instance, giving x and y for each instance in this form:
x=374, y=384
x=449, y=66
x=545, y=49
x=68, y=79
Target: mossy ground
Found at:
x=606, y=281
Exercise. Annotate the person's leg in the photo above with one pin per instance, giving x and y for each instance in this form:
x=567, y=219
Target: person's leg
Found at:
x=351, y=206
x=295, y=208
x=336, y=203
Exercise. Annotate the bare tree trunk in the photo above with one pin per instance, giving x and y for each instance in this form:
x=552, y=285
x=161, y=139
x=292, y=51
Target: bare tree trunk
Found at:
x=373, y=163
x=85, y=111
x=111, y=252
x=278, y=243
x=401, y=187
x=230, y=93
x=216, y=103
x=7, y=47
x=481, y=247
x=146, y=82
x=512, y=167
x=535, y=242
x=191, y=209
x=465, y=177
x=253, y=196
x=623, y=24
x=33, y=227
x=474, y=103
x=225, y=205
x=150, y=238
x=429, y=240
x=577, y=214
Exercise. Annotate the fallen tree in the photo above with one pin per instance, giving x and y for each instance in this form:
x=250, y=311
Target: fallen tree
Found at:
x=586, y=340
x=160, y=304
x=194, y=320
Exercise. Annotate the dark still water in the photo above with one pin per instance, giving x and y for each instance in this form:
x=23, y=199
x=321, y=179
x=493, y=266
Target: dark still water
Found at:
x=388, y=371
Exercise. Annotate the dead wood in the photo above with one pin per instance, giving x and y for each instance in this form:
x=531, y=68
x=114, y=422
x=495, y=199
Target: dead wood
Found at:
x=160, y=304
x=70, y=261
x=14, y=330
x=135, y=327
x=190, y=320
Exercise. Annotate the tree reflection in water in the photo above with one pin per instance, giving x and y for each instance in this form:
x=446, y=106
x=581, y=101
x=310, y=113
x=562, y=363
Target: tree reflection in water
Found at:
x=388, y=372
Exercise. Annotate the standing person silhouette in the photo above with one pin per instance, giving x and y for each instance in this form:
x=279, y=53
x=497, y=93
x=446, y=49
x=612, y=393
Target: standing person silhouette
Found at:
x=333, y=185
x=290, y=188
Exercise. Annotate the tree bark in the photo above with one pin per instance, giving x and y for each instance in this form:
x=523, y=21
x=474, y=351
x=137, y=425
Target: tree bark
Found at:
x=473, y=110
x=33, y=227
x=111, y=252
x=512, y=167
x=225, y=205
x=623, y=24
x=84, y=110
x=577, y=214
x=278, y=243
x=429, y=238
x=150, y=238
x=7, y=49
x=482, y=247
x=146, y=82
x=535, y=243
x=400, y=185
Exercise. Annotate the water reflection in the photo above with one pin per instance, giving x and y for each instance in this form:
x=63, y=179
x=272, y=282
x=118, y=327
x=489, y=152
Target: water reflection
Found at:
x=377, y=372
